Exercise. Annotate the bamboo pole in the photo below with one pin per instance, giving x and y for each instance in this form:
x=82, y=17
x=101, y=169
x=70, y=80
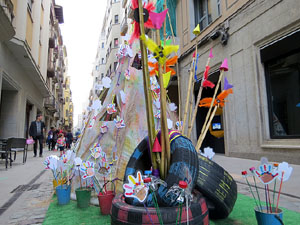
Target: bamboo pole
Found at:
x=178, y=74
x=147, y=89
x=201, y=138
x=213, y=99
x=190, y=127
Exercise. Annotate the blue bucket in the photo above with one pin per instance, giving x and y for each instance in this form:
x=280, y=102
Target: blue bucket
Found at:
x=264, y=218
x=63, y=193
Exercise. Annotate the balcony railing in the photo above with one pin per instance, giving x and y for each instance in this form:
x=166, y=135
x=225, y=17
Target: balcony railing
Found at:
x=8, y=8
x=51, y=104
x=6, y=18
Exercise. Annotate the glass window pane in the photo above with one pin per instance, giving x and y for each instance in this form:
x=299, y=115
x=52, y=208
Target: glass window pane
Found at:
x=284, y=95
x=206, y=11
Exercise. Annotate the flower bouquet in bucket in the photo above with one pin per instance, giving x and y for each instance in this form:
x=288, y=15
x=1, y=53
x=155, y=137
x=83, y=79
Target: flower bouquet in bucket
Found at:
x=266, y=210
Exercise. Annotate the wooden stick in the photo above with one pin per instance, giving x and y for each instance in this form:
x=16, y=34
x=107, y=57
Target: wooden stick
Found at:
x=188, y=96
x=213, y=99
x=147, y=89
x=163, y=115
x=178, y=74
x=190, y=127
x=202, y=135
x=279, y=191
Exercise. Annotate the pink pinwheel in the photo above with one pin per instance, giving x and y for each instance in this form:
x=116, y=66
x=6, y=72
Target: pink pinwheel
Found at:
x=88, y=169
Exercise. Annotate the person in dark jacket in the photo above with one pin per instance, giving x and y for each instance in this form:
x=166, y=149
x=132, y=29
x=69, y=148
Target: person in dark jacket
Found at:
x=69, y=138
x=36, y=131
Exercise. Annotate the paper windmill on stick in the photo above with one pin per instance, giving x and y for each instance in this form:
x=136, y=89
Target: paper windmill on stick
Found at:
x=88, y=169
x=170, y=62
x=160, y=53
x=147, y=8
x=135, y=188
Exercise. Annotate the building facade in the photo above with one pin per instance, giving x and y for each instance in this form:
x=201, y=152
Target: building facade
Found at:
x=24, y=79
x=260, y=39
x=68, y=105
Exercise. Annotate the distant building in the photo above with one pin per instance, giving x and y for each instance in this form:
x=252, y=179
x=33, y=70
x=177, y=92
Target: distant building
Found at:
x=31, y=64
x=261, y=41
x=68, y=105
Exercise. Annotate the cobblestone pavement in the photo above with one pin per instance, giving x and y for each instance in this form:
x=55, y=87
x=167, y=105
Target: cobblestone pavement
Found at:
x=27, y=193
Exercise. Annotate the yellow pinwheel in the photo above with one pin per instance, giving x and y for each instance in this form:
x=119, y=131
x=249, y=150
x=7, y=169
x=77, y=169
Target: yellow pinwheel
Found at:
x=160, y=53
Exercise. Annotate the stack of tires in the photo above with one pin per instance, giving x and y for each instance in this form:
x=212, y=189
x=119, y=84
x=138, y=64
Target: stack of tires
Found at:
x=212, y=186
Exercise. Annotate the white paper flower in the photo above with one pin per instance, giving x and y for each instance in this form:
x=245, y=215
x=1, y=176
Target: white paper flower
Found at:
x=172, y=107
x=106, y=82
x=170, y=123
x=96, y=104
x=123, y=96
x=285, y=170
x=208, y=153
x=88, y=169
x=157, y=104
x=119, y=123
x=77, y=161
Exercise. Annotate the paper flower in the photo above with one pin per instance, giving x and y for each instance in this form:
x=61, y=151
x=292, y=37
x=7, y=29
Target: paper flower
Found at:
x=160, y=53
x=179, y=125
x=106, y=82
x=170, y=62
x=96, y=104
x=119, y=123
x=284, y=171
x=172, y=107
x=98, y=87
x=111, y=108
x=219, y=101
x=135, y=188
x=124, y=51
x=206, y=82
x=96, y=151
x=104, y=168
x=157, y=103
x=88, y=169
x=104, y=128
x=266, y=174
x=208, y=153
x=51, y=162
x=136, y=22
x=77, y=162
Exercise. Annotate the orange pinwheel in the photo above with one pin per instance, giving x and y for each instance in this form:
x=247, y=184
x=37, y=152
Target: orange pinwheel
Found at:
x=219, y=101
x=169, y=62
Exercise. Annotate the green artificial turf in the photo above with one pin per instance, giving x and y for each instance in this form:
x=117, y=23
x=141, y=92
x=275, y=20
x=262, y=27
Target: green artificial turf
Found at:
x=243, y=213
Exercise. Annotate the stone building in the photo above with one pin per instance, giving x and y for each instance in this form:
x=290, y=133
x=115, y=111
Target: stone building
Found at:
x=261, y=40
x=25, y=43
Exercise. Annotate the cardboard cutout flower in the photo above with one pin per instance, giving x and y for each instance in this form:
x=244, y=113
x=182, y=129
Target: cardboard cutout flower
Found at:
x=170, y=123
x=135, y=188
x=111, y=108
x=149, y=7
x=208, y=153
x=172, y=107
x=106, y=82
x=51, y=162
x=119, y=123
x=284, y=171
x=160, y=53
x=266, y=174
x=104, y=168
x=77, y=162
x=88, y=169
x=104, y=128
x=170, y=62
x=96, y=151
x=219, y=101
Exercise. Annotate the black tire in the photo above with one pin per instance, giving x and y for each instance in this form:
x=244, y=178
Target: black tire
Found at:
x=125, y=214
x=184, y=160
x=218, y=187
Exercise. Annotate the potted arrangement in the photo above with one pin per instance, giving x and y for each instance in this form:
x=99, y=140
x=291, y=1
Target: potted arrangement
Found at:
x=268, y=213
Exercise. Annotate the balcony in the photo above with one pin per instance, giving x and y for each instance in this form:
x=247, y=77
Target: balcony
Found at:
x=50, y=104
x=6, y=18
x=124, y=26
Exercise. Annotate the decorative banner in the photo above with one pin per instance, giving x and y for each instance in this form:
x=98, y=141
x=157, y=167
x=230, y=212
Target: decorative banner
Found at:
x=135, y=188
x=266, y=174
x=88, y=169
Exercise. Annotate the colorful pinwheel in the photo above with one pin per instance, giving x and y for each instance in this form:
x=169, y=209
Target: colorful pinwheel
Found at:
x=160, y=53
x=88, y=169
x=147, y=8
x=170, y=62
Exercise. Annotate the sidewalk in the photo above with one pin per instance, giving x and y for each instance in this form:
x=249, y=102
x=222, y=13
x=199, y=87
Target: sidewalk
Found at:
x=26, y=190
x=290, y=196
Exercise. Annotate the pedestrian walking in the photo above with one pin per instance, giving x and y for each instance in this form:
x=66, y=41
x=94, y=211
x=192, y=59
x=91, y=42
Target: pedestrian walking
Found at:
x=61, y=143
x=50, y=139
x=69, y=139
x=36, y=131
x=55, y=137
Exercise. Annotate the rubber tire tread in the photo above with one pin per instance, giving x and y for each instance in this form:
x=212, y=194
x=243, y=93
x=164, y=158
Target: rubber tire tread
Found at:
x=134, y=215
x=214, y=181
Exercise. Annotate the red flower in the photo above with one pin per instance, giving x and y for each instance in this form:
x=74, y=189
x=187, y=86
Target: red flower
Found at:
x=244, y=173
x=147, y=21
x=252, y=169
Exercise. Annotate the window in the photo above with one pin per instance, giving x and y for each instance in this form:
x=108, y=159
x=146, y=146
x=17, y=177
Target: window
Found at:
x=206, y=11
x=116, y=42
x=102, y=75
x=282, y=70
x=102, y=45
x=67, y=112
x=115, y=65
x=116, y=19
x=102, y=60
